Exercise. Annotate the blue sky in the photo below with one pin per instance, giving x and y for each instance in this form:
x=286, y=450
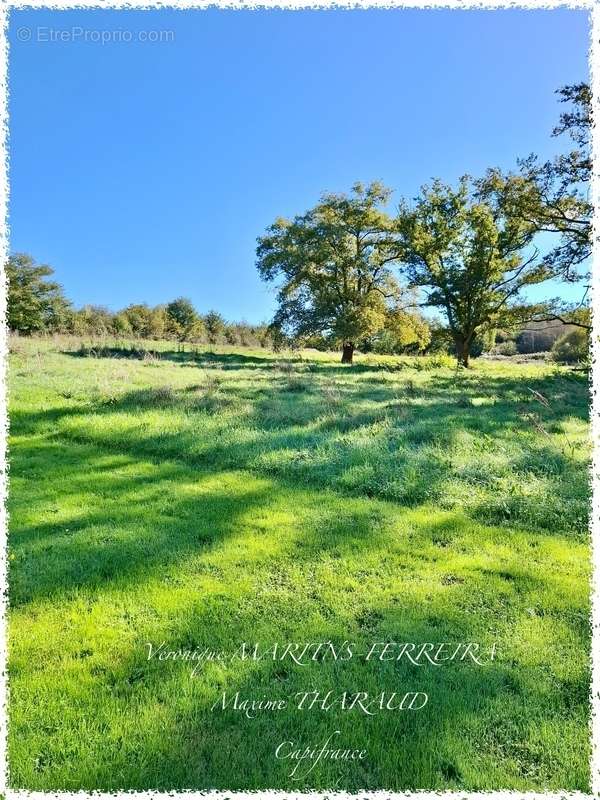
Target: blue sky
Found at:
x=145, y=170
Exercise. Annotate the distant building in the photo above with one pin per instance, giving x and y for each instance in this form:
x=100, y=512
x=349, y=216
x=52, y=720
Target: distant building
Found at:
x=540, y=336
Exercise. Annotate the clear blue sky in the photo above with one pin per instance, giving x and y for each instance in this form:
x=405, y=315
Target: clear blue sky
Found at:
x=145, y=170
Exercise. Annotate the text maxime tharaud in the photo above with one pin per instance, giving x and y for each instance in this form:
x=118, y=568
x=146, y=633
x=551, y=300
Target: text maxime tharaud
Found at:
x=304, y=758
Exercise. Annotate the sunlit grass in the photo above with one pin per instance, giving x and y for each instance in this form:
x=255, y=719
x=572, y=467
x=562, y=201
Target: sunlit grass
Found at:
x=210, y=498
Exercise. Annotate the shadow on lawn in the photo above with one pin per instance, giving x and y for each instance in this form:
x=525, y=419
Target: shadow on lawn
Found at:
x=477, y=729
x=479, y=719
x=456, y=379
x=392, y=442
x=320, y=576
x=476, y=715
x=241, y=361
x=109, y=537
x=189, y=357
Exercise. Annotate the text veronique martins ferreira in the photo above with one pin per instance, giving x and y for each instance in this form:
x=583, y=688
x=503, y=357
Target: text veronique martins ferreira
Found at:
x=303, y=654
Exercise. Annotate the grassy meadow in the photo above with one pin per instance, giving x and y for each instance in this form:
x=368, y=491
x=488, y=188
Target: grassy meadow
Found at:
x=217, y=496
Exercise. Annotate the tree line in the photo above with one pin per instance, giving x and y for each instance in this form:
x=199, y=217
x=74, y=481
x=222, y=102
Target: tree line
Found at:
x=37, y=305
x=351, y=275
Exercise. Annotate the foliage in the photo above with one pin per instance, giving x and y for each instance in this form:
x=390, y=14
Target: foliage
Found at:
x=38, y=305
x=139, y=317
x=231, y=335
x=553, y=197
x=557, y=194
x=332, y=266
x=215, y=326
x=121, y=325
x=572, y=348
x=403, y=332
x=441, y=338
x=508, y=348
x=470, y=249
x=464, y=247
x=94, y=320
x=182, y=321
x=34, y=303
x=482, y=342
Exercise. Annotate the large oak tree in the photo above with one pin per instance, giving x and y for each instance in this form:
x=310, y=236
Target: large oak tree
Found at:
x=471, y=252
x=332, y=266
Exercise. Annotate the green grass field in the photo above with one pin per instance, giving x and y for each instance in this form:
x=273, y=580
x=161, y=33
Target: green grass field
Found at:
x=204, y=499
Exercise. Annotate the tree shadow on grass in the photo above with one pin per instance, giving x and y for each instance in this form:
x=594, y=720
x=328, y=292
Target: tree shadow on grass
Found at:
x=193, y=357
x=149, y=725
x=118, y=526
x=286, y=361
x=240, y=361
x=561, y=393
x=400, y=445
x=146, y=512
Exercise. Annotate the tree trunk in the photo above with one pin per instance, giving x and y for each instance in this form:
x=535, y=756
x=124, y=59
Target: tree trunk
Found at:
x=347, y=352
x=462, y=346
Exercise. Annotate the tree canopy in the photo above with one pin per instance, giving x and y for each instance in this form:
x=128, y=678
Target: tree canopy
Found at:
x=332, y=265
x=215, y=326
x=562, y=185
x=470, y=251
x=34, y=302
x=182, y=319
x=553, y=196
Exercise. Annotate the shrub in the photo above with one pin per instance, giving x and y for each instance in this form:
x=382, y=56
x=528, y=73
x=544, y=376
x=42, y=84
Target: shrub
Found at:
x=479, y=345
x=507, y=348
x=231, y=336
x=572, y=348
x=182, y=320
x=437, y=361
x=215, y=326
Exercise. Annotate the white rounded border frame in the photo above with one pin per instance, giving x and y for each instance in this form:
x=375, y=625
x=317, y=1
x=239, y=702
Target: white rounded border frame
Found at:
x=593, y=9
